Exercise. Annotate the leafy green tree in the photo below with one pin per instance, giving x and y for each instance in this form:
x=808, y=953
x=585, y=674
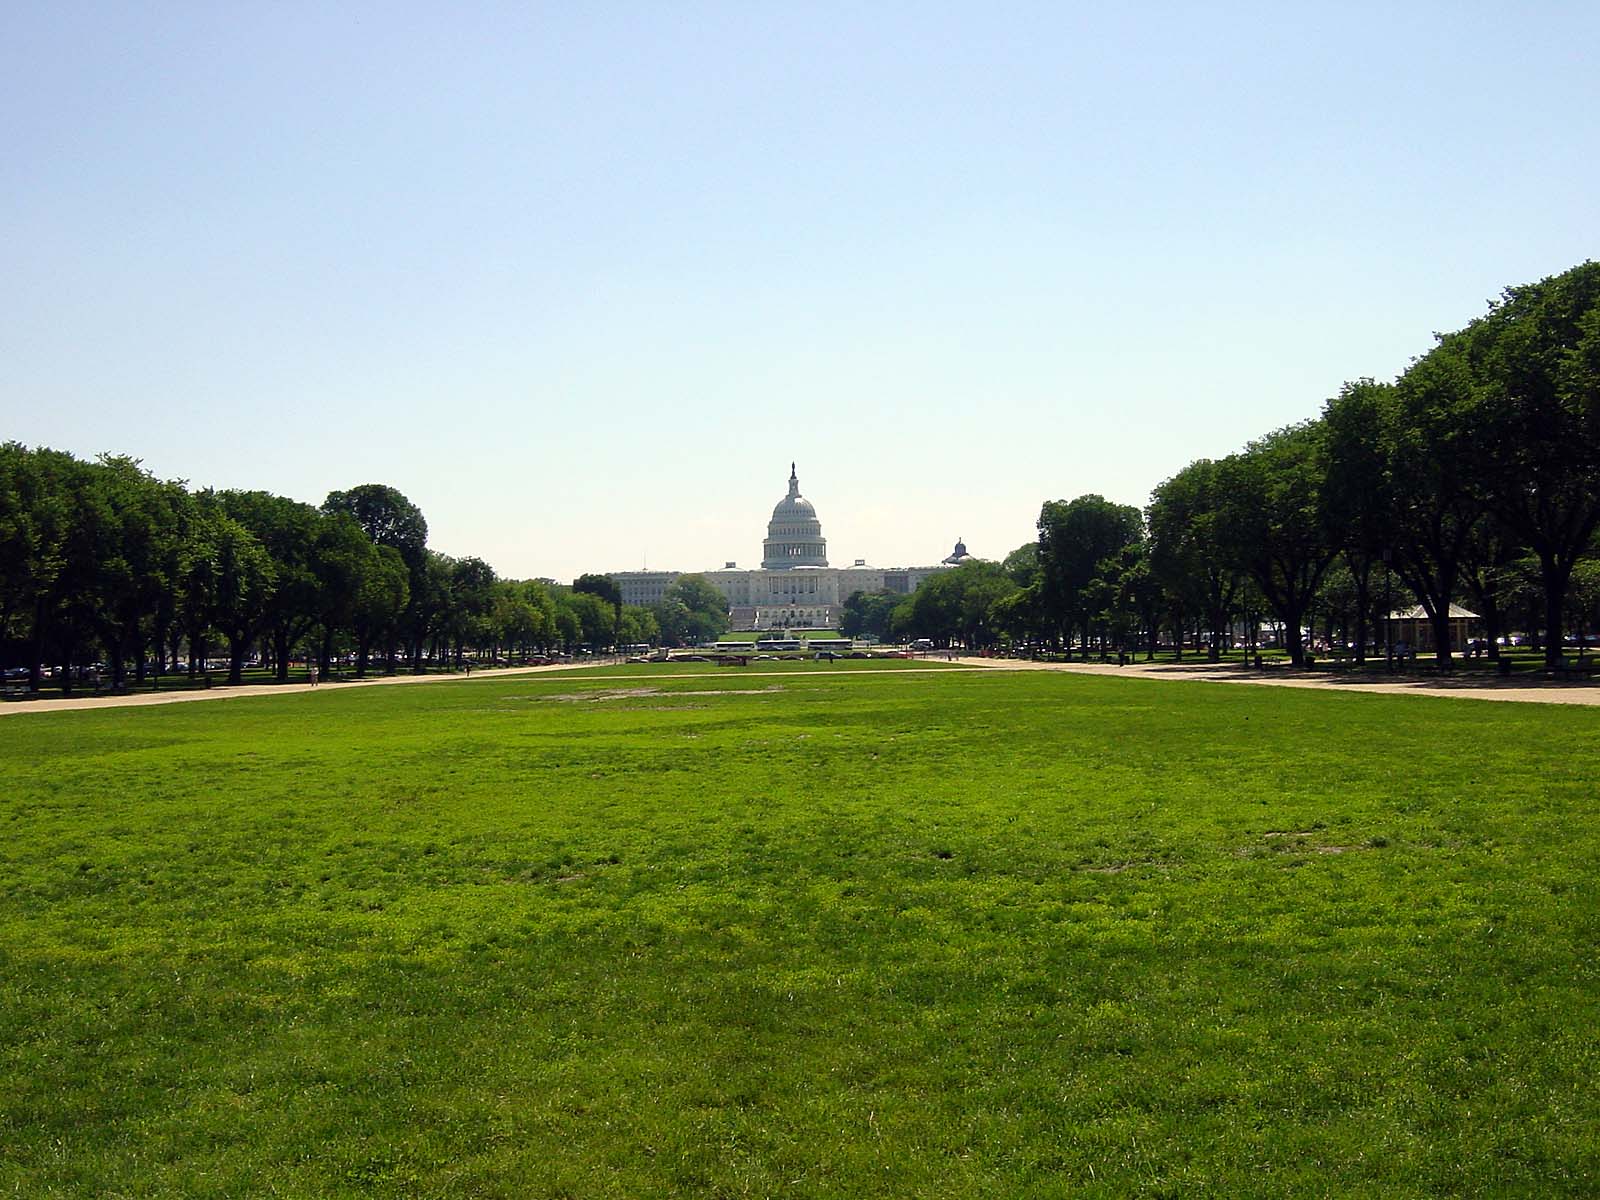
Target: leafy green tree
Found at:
x=1358, y=489
x=608, y=590
x=1430, y=479
x=245, y=581
x=125, y=524
x=708, y=610
x=1534, y=415
x=960, y=605
x=344, y=561
x=593, y=622
x=289, y=532
x=1487, y=564
x=59, y=553
x=1188, y=555
x=225, y=582
x=638, y=626
x=472, y=592
x=1074, y=539
x=392, y=520
x=382, y=601
x=1020, y=616
x=865, y=614
x=522, y=615
x=1274, y=524
x=674, y=621
x=1022, y=564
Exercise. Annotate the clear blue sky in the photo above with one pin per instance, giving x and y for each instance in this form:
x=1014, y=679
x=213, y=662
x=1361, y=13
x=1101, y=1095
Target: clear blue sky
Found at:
x=582, y=280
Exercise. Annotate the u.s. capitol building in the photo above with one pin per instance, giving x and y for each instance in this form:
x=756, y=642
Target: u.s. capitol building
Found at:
x=794, y=588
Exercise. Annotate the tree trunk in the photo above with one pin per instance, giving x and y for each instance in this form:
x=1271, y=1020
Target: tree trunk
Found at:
x=36, y=649
x=1492, y=628
x=236, y=649
x=119, y=670
x=280, y=653
x=1363, y=580
x=1293, y=639
x=1441, y=637
x=1555, y=575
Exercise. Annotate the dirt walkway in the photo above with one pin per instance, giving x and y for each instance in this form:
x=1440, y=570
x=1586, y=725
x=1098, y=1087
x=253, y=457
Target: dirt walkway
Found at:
x=1466, y=688
x=225, y=692
x=1474, y=687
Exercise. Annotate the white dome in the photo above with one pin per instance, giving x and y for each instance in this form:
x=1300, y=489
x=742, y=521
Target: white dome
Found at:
x=794, y=535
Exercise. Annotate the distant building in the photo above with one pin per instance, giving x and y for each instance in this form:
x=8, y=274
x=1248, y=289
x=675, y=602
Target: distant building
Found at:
x=794, y=588
x=1414, y=628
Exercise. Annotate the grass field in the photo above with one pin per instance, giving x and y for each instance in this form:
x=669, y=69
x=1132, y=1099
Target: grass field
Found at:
x=825, y=932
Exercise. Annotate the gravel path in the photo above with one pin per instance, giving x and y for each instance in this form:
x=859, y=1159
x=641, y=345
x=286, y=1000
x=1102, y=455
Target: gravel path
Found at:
x=224, y=692
x=1474, y=687
x=1467, y=688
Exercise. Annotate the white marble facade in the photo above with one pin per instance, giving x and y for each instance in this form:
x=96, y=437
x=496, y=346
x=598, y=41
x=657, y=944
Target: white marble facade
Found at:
x=803, y=593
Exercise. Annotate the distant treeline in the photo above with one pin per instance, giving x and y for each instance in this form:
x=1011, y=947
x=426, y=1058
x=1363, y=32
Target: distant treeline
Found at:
x=1474, y=477
x=100, y=562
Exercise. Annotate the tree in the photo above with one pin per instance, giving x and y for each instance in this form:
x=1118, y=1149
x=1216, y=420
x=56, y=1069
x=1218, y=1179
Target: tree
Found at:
x=42, y=574
x=867, y=614
x=1488, y=561
x=244, y=582
x=1074, y=539
x=1022, y=564
x=1534, y=364
x=638, y=627
x=592, y=622
x=344, y=561
x=608, y=590
x=1427, y=440
x=1188, y=556
x=523, y=615
x=674, y=621
x=472, y=590
x=125, y=523
x=394, y=521
x=708, y=610
x=1358, y=488
x=225, y=583
x=382, y=600
x=1273, y=522
x=289, y=532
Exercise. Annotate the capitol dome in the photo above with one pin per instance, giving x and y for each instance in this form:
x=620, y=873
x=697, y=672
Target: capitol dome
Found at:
x=794, y=535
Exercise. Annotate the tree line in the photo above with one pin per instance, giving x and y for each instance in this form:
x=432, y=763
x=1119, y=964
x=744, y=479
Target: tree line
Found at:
x=101, y=562
x=1472, y=478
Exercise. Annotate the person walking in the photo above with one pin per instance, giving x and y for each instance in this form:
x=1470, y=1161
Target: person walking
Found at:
x=311, y=672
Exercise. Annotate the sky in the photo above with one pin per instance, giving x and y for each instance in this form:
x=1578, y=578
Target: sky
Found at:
x=583, y=280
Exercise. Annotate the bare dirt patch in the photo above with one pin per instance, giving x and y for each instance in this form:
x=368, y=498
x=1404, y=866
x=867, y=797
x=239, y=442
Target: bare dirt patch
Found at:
x=1299, y=841
x=641, y=693
x=598, y=694
x=1117, y=868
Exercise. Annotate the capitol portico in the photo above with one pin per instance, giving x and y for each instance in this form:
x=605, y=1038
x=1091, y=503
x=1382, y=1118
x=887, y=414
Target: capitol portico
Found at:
x=794, y=586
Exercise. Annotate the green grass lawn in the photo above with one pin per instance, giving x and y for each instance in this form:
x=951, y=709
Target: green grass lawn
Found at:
x=825, y=933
